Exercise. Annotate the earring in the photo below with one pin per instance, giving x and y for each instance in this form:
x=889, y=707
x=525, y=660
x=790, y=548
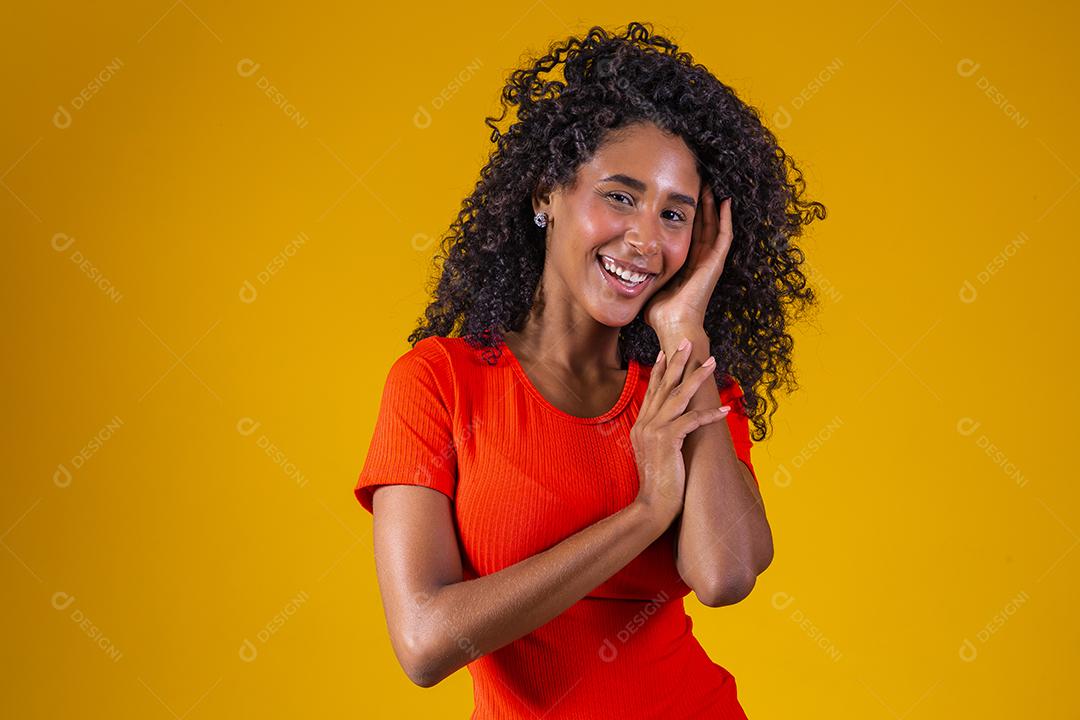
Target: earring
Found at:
x=541, y=219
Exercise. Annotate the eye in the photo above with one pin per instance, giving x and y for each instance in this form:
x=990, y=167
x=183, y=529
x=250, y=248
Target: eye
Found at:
x=615, y=195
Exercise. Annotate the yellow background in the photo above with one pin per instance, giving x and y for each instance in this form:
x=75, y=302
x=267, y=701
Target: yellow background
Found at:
x=205, y=558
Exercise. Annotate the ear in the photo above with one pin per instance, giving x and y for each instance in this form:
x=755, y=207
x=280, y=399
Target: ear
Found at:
x=541, y=199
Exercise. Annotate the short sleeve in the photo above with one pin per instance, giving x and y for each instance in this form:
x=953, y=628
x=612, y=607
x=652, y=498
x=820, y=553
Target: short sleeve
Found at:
x=738, y=424
x=412, y=443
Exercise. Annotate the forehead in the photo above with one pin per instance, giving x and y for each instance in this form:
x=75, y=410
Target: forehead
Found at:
x=646, y=152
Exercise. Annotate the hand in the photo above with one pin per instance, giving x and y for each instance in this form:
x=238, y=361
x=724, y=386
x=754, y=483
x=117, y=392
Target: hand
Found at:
x=662, y=425
x=683, y=300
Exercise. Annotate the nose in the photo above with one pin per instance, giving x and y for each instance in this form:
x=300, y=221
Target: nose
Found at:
x=644, y=239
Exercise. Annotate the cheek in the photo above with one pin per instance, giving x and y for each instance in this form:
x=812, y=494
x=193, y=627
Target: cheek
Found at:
x=675, y=255
x=596, y=226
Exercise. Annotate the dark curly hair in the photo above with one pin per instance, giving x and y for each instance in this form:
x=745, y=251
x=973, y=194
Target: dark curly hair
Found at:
x=493, y=254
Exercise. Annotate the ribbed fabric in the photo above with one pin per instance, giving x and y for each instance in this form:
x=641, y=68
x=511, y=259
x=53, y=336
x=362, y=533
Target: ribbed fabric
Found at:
x=523, y=476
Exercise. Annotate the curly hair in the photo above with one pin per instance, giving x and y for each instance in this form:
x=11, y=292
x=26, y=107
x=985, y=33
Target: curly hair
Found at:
x=492, y=256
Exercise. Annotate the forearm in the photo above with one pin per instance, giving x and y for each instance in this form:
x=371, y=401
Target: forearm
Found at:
x=724, y=540
x=475, y=617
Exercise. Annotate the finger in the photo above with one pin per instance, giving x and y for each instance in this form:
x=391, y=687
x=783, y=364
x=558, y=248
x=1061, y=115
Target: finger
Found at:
x=674, y=373
x=725, y=217
x=656, y=376
x=699, y=214
x=649, y=403
x=679, y=398
x=691, y=421
x=698, y=229
x=710, y=222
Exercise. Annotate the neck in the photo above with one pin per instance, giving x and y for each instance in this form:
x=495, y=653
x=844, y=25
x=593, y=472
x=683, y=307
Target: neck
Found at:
x=571, y=341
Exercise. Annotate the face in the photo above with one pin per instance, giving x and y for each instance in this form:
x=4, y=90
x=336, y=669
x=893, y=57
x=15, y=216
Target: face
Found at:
x=630, y=213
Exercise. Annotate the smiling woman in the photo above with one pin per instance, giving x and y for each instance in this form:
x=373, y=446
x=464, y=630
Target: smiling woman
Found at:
x=542, y=479
x=628, y=89
x=629, y=214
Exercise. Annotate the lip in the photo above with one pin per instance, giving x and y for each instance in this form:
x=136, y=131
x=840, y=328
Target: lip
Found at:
x=617, y=286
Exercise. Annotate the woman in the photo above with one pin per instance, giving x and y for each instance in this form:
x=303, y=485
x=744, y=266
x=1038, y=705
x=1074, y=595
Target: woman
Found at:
x=549, y=474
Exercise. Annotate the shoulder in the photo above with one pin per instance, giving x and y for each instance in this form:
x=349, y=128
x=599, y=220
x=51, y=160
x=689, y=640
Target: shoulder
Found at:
x=461, y=356
x=425, y=364
x=431, y=350
x=446, y=361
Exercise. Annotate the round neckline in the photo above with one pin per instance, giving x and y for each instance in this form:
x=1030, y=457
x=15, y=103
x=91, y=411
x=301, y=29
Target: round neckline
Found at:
x=629, y=384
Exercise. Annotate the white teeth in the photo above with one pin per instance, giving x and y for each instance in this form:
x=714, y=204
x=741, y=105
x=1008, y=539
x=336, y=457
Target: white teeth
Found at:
x=630, y=277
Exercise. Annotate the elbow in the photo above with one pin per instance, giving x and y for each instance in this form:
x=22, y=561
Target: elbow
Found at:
x=417, y=660
x=417, y=669
x=426, y=651
x=728, y=591
x=422, y=672
x=767, y=557
x=423, y=678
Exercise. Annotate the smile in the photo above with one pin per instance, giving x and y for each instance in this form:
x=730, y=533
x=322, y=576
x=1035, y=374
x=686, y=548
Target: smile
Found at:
x=627, y=283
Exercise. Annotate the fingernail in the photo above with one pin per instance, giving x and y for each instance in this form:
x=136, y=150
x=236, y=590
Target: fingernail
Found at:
x=710, y=361
x=683, y=345
x=725, y=407
x=660, y=356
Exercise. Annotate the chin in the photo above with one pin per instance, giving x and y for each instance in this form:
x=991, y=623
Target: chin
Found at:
x=616, y=317
x=613, y=324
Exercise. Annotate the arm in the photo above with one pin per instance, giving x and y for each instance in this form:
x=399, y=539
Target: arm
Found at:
x=724, y=539
x=439, y=622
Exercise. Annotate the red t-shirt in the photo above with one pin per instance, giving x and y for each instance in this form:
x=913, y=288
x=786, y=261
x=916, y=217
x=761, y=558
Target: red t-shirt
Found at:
x=523, y=476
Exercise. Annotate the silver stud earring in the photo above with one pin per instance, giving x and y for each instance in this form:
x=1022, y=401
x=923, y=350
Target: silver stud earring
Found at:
x=541, y=219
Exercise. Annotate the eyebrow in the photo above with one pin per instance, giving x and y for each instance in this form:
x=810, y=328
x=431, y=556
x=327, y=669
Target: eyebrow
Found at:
x=640, y=187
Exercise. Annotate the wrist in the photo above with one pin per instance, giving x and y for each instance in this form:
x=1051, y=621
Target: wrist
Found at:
x=652, y=515
x=677, y=325
x=671, y=336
